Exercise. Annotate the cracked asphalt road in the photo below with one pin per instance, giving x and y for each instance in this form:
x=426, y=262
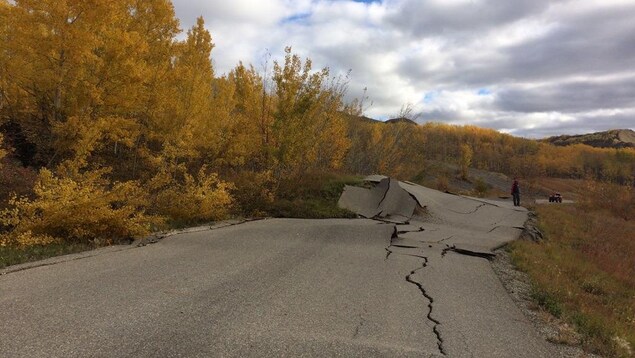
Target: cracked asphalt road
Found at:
x=282, y=287
x=266, y=288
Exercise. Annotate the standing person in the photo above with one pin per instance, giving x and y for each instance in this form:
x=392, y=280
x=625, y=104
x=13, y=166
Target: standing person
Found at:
x=516, y=192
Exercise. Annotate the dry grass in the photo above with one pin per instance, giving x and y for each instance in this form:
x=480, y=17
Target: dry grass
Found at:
x=572, y=188
x=584, y=272
x=14, y=255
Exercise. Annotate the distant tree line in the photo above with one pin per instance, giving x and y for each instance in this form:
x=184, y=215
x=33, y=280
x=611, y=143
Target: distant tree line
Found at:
x=499, y=152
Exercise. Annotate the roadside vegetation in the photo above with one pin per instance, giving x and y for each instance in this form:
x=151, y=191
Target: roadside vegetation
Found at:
x=584, y=270
x=13, y=255
x=113, y=126
x=314, y=196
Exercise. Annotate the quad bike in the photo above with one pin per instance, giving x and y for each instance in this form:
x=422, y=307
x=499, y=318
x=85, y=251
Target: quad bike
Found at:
x=555, y=198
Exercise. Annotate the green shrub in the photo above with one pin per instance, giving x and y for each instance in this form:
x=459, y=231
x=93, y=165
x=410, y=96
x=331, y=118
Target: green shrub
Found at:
x=547, y=301
x=314, y=195
x=253, y=192
x=481, y=186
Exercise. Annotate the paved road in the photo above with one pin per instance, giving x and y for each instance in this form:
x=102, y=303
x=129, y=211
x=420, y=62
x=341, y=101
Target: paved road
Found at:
x=276, y=288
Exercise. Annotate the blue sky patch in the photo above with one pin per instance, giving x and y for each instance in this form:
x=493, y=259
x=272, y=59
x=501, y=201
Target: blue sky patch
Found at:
x=430, y=96
x=484, y=92
x=296, y=18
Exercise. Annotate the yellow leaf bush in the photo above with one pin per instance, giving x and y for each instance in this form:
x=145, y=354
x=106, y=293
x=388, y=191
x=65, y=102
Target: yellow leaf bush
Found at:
x=26, y=239
x=85, y=208
x=3, y=152
x=187, y=199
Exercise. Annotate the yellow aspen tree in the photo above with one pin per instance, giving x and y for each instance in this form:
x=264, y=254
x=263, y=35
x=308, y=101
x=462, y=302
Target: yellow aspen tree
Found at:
x=4, y=57
x=51, y=52
x=235, y=112
x=195, y=69
x=401, y=150
x=183, y=114
x=306, y=112
x=155, y=24
x=358, y=158
x=253, y=117
x=466, y=160
x=82, y=60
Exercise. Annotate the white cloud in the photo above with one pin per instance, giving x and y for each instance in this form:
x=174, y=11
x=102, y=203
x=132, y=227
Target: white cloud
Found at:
x=529, y=67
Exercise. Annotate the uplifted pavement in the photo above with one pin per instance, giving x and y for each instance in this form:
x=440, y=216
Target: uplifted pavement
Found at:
x=425, y=216
x=413, y=280
x=455, y=236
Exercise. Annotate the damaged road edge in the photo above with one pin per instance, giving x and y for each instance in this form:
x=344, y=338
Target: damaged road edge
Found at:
x=155, y=238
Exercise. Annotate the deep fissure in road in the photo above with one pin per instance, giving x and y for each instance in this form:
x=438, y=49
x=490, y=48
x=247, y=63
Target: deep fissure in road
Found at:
x=392, y=238
x=466, y=252
x=425, y=294
x=409, y=277
x=436, y=323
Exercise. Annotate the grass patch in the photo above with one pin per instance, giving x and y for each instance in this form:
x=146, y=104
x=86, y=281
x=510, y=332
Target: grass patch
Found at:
x=311, y=208
x=547, y=301
x=313, y=197
x=584, y=272
x=13, y=255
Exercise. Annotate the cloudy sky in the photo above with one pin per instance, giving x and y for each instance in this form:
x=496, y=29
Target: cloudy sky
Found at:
x=531, y=68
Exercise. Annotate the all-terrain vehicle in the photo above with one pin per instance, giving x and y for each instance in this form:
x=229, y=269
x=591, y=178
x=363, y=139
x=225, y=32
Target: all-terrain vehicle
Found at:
x=555, y=198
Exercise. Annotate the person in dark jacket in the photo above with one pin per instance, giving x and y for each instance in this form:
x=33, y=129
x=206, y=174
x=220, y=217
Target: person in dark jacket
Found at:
x=516, y=192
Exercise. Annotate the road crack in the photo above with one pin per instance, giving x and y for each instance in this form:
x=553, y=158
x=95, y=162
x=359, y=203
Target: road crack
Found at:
x=420, y=229
x=467, y=252
x=435, y=322
x=392, y=239
x=425, y=294
x=469, y=212
x=383, y=197
x=360, y=324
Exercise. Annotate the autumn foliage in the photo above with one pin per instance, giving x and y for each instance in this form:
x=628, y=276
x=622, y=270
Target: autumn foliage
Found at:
x=3, y=152
x=126, y=127
x=130, y=127
x=503, y=153
x=82, y=208
x=188, y=199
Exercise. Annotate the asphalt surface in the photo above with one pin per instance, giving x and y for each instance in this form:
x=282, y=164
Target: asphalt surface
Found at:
x=283, y=287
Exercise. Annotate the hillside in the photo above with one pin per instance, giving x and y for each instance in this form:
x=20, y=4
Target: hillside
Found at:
x=363, y=119
x=617, y=138
x=401, y=120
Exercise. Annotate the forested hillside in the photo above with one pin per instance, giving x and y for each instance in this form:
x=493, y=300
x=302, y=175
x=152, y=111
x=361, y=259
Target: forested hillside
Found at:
x=494, y=151
x=400, y=149
x=618, y=138
x=112, y=127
